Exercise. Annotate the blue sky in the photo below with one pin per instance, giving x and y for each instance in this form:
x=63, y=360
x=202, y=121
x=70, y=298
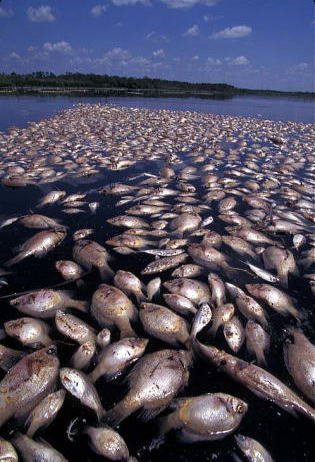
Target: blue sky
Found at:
x=247, y=43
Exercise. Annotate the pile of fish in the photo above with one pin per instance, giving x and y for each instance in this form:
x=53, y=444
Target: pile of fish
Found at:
x=204, y=262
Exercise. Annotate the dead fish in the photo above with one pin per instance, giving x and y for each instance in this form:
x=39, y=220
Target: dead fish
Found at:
x=129, y=284
x=258, y=380
x=74, y=328
x=153, y=383
x=31, y=332
x=28, y=382
x=132, y=241
x=263, y=274
x=257, y=341
x=234, y=333
x=69, y=270
x=79, y=386
x=153, y=288
x=185, y=222
x=44, y=303
x=164, y=252
x=196, y=291
x=33, y=451
x=281, y=260
x=163, y=264
x=208, y=417
x=117, y=356
x=274, y=298
x=37, y=221
x=107, y=443
x=188, y=271
x=253, y=450
x=82, y=234
x=180, y=304
x=221, y=315
x=51, y=198
x=162, y=323
x=217, y=289
x=201, y=320
x=103, y=338
x=239, y=246
x=91, y=254
x=299, y=358
x=7, y=451
x=45, y=412
x=128, y=221
x=111, y=307
x=38, y=245
x=93, y=206
x=208, y=257
x=82, y=357
x=247, y=305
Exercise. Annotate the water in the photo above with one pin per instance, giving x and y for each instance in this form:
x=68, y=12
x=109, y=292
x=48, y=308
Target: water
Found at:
x=19, y=110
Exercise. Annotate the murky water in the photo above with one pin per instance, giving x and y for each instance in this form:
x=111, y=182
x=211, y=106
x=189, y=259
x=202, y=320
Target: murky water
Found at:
x=287, y=437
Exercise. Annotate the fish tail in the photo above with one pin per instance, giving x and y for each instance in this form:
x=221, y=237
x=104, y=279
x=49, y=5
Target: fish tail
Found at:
x=31, y=429
x=140, y=297
x=14, y=260
x=283, y=279
x=120, y=412
x=261, y=360
x=101, y=412
x=80, y=305
x=106, y=273
x=125, y=329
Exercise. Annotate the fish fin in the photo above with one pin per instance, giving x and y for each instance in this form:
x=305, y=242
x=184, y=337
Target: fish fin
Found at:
x=106, y=273
x=140, y=297
x=119, y=412
x=80, y=305
x=14, y=260
x=149, y=414
x=125, y=329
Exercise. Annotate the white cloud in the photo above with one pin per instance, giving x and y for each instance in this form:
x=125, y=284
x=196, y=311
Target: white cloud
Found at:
x=213, y=61
x=98, y=10
x=14, y=55
x=188, y=3
x=41, y=14
x=6, y=13
x=193, y=31
x=233, y=32
x=239, y=61
x=155, y=37
x=159, y=53
x=130, y=2
x=195, y=58
x=59, y=47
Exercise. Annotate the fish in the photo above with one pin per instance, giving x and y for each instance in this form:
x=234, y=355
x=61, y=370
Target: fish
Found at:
x=45, y=412
x=30, y=332
x=160, y=322
x=153, y=288
x=130, y=285
x=44, y=303
x=257, y=341
x=90, y=254
x=7, y=451
x=153, y=383
x=28, y=382
x=111, y=307
x=116, y=357
x=78, y=384
x=196, y=291
x=208, y=417
x=257, y=380
x=299, y=358
x=107, y=443
x=252, y=449
x=38, y=245
x=32, y=451
x=165, y=263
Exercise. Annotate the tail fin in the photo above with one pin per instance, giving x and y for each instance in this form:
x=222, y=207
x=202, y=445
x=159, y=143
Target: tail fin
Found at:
x=125, y=328
x=80, y=305
x=14, y=260
x=120, y=412
x=106, y=273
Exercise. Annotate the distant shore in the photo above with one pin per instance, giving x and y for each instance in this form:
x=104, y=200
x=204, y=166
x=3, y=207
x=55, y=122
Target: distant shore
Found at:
x=44, y=83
